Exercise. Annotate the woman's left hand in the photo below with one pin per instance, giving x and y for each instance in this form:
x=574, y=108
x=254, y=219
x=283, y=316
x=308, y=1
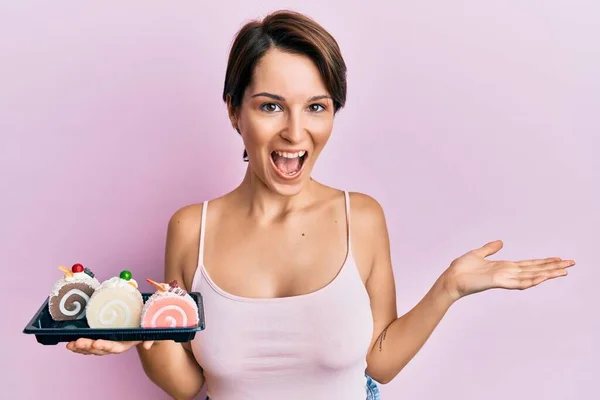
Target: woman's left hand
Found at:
x=473, y=273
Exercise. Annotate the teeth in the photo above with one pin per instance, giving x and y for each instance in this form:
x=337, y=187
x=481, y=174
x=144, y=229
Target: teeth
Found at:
x=290, y=155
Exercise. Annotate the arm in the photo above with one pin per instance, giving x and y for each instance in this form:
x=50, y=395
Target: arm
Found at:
x=400, y=341
x=170, y=365
x=395, y=340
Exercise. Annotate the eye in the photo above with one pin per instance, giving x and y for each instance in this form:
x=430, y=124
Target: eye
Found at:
x=270, y=107
x=316, y=107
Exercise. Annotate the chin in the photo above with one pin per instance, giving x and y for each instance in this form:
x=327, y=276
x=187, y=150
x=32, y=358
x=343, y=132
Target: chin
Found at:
x=287, y=190
x=288, y=177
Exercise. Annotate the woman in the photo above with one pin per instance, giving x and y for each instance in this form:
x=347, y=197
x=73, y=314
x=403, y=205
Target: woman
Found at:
x=296, y=276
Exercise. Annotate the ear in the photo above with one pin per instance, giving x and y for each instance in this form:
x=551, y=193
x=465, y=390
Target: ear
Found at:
x=233, y=116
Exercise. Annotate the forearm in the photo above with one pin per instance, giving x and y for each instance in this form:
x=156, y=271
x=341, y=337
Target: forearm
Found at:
x=172, y=368
x=405, y=336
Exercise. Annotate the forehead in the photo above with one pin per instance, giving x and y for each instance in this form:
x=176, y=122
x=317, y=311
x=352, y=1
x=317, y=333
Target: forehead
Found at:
x=288, y=75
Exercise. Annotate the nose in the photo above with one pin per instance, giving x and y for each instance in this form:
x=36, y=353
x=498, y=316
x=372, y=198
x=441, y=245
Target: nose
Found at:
x=294, y=130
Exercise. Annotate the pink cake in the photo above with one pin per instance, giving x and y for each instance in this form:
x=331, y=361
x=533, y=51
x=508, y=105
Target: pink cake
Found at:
x=169, y=307
x=71, y=293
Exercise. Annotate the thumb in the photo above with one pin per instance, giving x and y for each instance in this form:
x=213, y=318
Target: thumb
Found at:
x=490, y=248
x=148, y=344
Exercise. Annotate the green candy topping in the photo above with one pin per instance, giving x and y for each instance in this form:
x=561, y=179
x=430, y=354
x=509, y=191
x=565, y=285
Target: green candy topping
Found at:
x=125, y=275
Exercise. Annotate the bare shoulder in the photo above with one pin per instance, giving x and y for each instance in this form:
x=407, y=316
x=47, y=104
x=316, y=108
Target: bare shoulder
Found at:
x=367, y=212
x=185, y=222
x=183, y=234
x=370, y=240
x=183, y=240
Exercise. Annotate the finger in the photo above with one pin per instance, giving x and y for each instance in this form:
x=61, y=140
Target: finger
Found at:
x=490, y=248
x=73, y=349
x=83, y=344
x=89, y=346
x=85, y=347
x=539, y=261
x=85, y=352
x=547, y=273
x=535, y=279
x=147, y=345
x=82, y=352
x=103, y=345
x=549, y=266
x=97, y=352
x=113, y=347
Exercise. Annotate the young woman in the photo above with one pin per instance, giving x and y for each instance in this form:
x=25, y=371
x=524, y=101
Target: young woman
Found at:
x=296, y=276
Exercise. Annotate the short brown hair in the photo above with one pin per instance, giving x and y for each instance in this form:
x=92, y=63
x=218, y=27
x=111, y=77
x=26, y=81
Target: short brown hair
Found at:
x=291, y=32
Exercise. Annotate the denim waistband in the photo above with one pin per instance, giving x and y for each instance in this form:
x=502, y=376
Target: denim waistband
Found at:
x=372, y=389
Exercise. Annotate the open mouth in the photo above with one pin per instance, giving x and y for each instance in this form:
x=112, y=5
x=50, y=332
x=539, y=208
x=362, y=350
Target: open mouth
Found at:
x=288, y=164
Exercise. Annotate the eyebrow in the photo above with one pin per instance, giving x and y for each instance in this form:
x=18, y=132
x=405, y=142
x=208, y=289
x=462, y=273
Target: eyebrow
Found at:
x=280, y=98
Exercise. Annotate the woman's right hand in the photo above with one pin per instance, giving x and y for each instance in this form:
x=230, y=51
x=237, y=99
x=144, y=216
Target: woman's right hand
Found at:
x=103, y=347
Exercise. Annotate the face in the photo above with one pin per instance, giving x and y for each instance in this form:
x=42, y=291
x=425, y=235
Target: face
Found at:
x=285, y=120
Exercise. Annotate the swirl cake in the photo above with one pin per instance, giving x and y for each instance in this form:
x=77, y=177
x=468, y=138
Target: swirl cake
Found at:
x=71, y=293
x=116, y=303
x=169, y=307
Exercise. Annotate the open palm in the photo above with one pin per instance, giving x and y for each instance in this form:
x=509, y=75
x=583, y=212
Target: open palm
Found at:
x=473, y=272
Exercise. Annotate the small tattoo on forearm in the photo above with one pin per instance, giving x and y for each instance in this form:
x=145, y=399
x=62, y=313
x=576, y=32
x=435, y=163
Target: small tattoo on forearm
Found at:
x=382, y=338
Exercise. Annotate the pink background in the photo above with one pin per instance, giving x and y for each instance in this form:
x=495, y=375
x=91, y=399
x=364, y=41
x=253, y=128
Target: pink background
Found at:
x=469, y=121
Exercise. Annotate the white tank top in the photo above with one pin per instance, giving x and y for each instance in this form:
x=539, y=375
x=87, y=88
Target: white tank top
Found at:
x=311, y=346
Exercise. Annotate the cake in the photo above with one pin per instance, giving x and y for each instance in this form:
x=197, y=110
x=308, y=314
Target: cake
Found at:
x=169, y=307
x=71, y=293
x=116, y=303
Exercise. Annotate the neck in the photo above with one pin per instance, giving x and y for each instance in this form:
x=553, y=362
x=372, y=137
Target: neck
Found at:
x=263, y=203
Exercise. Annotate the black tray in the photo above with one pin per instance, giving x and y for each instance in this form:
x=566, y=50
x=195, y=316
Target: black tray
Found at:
x=50, y=332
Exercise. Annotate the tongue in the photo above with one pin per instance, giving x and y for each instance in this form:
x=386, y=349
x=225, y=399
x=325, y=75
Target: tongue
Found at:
x=287, y=165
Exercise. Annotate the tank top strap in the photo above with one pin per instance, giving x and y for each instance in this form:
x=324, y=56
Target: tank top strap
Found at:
x=348, y=236
x=202, y=233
